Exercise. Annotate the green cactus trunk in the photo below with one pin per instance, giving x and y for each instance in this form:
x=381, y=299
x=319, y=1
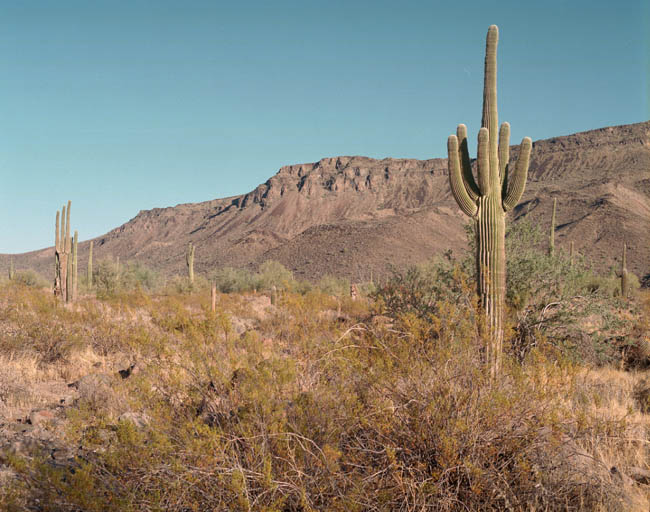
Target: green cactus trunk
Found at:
x=487, y=201
x=491, y=266
x=65, y=250
x=90, y=266
x=551, y=237
x=74, y=266
x=189, y=258
x=12, y=270
x=624, y=276
x=57, y=256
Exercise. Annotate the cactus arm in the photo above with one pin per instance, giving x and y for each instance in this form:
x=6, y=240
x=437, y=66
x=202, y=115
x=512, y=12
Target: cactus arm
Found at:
x=458, y=188
x=504, y=151
x=516, y=187
x=465, y=163
x=484, y=161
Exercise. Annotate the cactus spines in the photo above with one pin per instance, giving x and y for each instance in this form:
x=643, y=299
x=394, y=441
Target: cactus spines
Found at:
x=624, y=276
x=551, y=236
x=189, y=259
x=74, y=266
x=90, y=265
x=498, y=190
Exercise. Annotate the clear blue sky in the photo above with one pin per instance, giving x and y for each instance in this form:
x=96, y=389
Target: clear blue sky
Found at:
x=129, y=105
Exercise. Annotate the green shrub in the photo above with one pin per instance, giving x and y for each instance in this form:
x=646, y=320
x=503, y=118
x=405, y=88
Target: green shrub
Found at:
x=272, y=273
x=111, y=278
x=30, y=278
x=334, y=286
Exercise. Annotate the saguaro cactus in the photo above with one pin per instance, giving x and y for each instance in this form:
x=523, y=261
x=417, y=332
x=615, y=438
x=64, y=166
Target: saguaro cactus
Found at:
x=12, y=270
x=74, y=265
x=63, y=277
x=90, y=265
x=551, y=236
x=624, y=276
x=60, y=257
x=189, y=258
x=498, y=190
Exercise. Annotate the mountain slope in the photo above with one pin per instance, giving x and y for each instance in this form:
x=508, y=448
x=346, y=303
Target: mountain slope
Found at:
x=354, y=216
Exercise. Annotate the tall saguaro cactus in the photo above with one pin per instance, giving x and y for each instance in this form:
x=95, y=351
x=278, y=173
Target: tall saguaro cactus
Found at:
x=74, y=266
x=498, y=190
x=624, y=276
x=189, y=258
x=551, y=236
x=90, y=265
x=62, y=252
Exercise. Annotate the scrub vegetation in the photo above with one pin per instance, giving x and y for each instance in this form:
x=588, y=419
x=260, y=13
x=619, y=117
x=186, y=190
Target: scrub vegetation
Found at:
x=322, y=402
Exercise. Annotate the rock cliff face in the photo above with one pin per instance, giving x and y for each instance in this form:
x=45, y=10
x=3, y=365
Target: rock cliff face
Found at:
x=354, y=216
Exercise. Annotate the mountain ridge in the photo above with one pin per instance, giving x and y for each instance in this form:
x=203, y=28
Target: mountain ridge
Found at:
x=355, y=216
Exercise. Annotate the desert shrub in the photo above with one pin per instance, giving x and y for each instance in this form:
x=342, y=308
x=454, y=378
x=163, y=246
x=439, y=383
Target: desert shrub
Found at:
x=550, y=299
x=110, y=277
x=334, y=286
x=335, y=418
x=272, y=273
x=419, y=289
x=30, y=278
x=233, y=280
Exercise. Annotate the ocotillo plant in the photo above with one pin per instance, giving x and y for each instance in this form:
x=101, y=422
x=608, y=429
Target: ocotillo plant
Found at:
x=498, y=190
x=551, y=236
x=74, y=265
x=189, y=258
x=90, y=265
x=624, y=276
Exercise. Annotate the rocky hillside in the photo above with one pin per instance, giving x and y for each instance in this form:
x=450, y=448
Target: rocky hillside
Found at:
x=354, y=216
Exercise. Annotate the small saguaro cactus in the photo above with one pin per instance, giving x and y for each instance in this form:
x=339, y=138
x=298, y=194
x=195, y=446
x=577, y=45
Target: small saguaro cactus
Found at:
x=74, y=265
x=90, y=266
x=189, y=258
x=12, y=270
x=571, y=254
x=551, y=236
x=498, y=190
x=624, y=274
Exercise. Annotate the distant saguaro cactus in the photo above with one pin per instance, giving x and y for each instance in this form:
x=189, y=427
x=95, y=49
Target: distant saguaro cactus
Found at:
x=189, y=258
x=62, y=248
x=551, y=236
x=12, y=270
x=90, y=265
x=498, y=190
x=74, y=266
x=624, y=274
